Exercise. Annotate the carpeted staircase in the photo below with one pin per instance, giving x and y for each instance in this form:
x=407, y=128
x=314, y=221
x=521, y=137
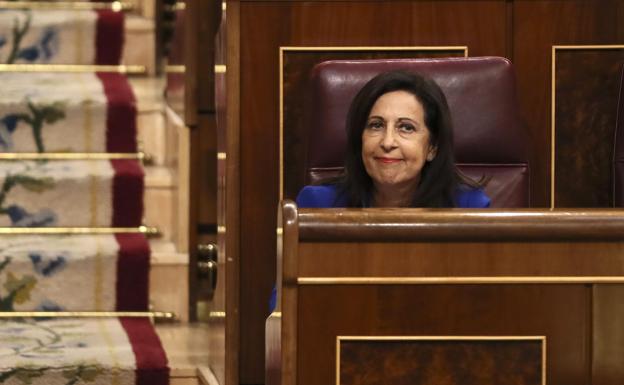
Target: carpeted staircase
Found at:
x=68, y=159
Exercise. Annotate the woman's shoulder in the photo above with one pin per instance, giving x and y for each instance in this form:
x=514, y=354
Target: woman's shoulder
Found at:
x=467, y=197
x=321, y=196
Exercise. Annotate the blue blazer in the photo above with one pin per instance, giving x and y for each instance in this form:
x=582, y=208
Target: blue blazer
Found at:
x=324, y=196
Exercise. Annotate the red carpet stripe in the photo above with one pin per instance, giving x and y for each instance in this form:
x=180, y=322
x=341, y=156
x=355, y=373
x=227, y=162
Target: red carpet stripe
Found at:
x=151, y=360
x=109, y=38
x=121, y=114
x=133, y=264
x=127, y=193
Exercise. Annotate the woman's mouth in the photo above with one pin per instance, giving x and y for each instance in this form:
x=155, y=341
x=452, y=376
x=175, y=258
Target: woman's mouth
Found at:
x=383, y=159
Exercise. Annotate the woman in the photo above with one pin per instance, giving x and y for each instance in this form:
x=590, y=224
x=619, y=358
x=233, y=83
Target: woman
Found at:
x=399, y=151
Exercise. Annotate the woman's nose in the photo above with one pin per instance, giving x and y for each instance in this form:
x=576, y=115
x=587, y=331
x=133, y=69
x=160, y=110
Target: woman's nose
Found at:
x=388, y=141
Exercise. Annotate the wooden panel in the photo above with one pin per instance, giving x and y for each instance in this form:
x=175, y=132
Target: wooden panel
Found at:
x=481, y=27
x=537, y=26
x=226, y=292
x=422, y=361
x=459, y=259
x=608, y=338
x=206, y=175
x=207, y=28
x=559, y=312
x=191, y=43
x=297, y=66
x=587, y=83
x=230, y=198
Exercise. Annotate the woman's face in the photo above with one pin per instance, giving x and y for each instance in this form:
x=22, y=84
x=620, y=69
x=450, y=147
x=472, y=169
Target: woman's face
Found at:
x=396, y=142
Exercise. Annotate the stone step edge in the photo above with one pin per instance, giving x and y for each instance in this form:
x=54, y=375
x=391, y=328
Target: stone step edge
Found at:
x=138, y=29
x=169, y=258
x=165, y=253
x=159, y=177
x=207, y=376
x=149, y=93
x=136, y=22
x=187, y=349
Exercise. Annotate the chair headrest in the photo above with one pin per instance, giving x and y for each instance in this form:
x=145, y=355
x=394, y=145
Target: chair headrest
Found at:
x=480, y=91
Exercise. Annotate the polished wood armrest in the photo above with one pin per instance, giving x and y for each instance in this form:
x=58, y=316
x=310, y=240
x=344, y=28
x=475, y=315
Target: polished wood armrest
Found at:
x=458, y=224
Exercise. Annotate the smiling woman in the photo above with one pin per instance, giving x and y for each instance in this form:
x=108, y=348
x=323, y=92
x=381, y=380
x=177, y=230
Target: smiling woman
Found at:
x=396, y=144
x=399, y=151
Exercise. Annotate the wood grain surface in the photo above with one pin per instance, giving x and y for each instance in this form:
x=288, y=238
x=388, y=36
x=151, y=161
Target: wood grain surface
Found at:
x=444, y=361
x=523, y=30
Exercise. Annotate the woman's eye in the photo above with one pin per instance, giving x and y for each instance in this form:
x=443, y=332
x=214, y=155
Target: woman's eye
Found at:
x=375, y=125
x=407, y=128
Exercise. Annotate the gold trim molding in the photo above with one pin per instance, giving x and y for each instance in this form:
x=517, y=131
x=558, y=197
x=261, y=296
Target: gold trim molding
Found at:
x=457, y=280
x=70, y=156
x=541, y=339
x=440, y=338
x=284, y=49
x=553, y=131
x=88, y=314
x=216, y=314
x=74, y=68
x=148, y=231
x=181, y=68
x=175, y=69
x=116, y=6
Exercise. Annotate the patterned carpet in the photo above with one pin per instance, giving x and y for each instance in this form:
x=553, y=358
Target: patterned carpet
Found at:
x=71, y=113
x=67, y=112
x=61, y=37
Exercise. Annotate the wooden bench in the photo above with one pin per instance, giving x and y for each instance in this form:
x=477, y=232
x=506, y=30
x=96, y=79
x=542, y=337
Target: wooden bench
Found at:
x=373, y=296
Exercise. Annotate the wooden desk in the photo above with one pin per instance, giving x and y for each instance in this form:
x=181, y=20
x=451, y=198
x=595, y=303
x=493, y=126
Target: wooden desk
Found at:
x=525, y=279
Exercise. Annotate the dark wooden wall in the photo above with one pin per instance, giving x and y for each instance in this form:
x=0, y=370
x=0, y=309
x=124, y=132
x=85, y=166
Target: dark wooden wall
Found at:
x=523, y=30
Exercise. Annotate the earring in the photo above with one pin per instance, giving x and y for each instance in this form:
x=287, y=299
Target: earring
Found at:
x=430, y=157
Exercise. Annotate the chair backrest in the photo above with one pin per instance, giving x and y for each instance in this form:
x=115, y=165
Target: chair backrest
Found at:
x=490, y=138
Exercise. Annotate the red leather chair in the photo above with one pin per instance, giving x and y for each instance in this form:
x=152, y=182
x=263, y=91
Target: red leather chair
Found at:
x=490, y=138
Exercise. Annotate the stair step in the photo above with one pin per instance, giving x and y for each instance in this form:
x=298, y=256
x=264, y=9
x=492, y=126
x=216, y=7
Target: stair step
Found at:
x=156, y=139
x=42, y=272
x=77, y=37
x=160, y=201
x=61, y=36
x=140, y=43
x=79, y=112
x=189, y=348
x=121, y=351
x=146, y=8
x=168, y=282
x=97, y=193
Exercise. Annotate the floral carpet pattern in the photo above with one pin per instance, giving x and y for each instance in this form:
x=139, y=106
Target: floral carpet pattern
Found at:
x=71, y=113
x=37, y=272
x=70, y=193
x=66, y=112
x=38, y=352
x=60, y=36
x=95, y=351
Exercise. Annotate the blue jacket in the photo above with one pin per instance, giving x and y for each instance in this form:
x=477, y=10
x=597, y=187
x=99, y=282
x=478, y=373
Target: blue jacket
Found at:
x=324, y=196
